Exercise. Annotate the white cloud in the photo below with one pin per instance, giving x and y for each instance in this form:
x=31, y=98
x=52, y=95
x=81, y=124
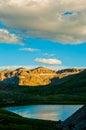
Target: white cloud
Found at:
x=29, y=49
x=7, y=37
x=16, y=67
x=49, y=55
x=44, y=19
x=48, y=61
x=29, y=67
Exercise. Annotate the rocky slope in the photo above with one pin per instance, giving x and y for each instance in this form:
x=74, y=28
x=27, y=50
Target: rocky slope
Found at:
x=67, y=72
x=35, y=77
x=77, y=120
x=22, y=76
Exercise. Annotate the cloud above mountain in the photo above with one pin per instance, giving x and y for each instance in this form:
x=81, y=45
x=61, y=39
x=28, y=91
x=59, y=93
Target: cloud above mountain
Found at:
x=48, y=54
x=7, y=37
x=29, y=49
x=48, y=61
x=58, y=20
x=32, y=67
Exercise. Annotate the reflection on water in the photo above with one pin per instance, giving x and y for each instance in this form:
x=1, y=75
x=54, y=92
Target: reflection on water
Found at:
x=46, y=112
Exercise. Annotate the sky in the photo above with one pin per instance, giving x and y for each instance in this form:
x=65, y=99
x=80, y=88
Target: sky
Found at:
x=50, y=33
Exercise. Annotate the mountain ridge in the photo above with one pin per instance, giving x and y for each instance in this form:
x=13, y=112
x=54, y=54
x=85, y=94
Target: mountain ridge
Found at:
x=35, y=77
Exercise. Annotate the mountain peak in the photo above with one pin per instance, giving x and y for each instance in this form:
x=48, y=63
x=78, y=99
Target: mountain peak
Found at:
x=21, y=69
x=40, y=67
x=43, y=70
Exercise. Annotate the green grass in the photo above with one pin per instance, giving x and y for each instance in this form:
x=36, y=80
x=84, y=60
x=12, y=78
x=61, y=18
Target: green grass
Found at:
x=12, y=121
x=69, y=90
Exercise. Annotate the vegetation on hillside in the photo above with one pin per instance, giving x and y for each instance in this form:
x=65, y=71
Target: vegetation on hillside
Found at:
x=68, y=90
x=13, y=121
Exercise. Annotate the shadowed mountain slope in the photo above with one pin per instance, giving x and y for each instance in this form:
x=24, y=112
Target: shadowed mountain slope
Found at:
x=77, y=120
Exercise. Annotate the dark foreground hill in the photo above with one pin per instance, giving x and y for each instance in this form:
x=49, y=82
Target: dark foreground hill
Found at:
x=11, y=121
x=77, y=120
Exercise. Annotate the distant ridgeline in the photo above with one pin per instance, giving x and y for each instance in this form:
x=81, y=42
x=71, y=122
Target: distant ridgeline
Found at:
x=35, y=77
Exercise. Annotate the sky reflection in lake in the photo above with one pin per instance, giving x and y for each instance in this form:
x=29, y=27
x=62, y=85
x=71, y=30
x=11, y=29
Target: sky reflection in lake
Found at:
x=46, y=112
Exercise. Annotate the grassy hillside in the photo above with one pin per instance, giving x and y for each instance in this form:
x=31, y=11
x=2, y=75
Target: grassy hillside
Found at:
x=68, y=90
x=12, y=121
x=74, y=84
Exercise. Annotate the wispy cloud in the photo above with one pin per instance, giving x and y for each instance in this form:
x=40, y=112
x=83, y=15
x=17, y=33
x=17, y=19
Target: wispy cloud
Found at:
x=29, y=67
x=29, y=49
x=7, y=37
x=44, y=19
x=48, y=61
x=17, y=66
x=48, y=54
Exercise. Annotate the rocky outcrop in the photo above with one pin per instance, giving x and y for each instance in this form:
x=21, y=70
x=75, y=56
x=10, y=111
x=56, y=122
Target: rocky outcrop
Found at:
x=35, y=77
x=77, y=121
x=67, y=72
x=22, y=76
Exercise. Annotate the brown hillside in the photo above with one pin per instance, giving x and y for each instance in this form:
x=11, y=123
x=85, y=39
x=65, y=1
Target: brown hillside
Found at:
x=35, y=77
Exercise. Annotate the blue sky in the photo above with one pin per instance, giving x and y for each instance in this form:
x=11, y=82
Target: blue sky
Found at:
x=70, y=55
x=45, y=36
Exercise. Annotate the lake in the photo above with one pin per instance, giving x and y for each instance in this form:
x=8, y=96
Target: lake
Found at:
x=46, y=112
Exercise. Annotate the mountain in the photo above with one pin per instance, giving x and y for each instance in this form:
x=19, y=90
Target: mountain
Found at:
x=22, y=76
x=70, y=89
x=36, y=77
x=67, y=72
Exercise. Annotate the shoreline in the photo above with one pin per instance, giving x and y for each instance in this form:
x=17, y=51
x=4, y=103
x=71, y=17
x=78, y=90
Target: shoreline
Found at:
x=32, y=124
x=40, y=103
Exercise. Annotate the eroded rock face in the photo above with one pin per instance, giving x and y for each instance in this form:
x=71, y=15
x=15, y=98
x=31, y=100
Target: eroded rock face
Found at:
x=5, y=74
x=35, y=77
x=67, y=72
x=22, y=76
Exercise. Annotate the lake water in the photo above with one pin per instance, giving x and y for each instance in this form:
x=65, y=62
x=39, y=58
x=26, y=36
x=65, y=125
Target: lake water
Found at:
x=46, y=112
